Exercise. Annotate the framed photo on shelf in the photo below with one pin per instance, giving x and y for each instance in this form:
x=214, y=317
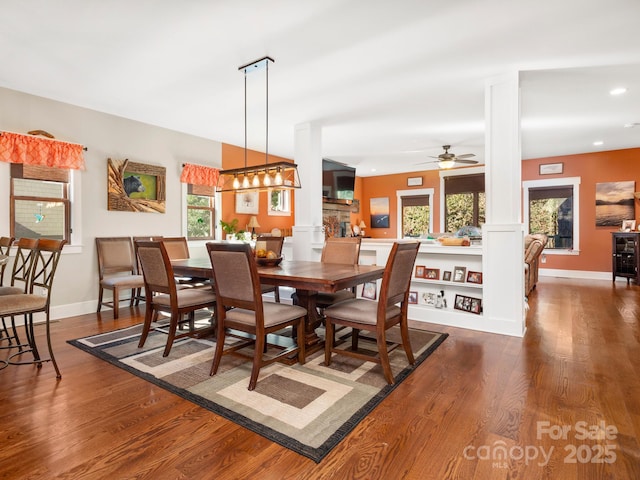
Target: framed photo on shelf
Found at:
x=420, y=271
x=474, y=277
x=459, y=274
x=429, y=298
x=413, y=298
x=369, y=290
x=628, y=225
x=446, y=276
x=432, y=273
x=468, y=304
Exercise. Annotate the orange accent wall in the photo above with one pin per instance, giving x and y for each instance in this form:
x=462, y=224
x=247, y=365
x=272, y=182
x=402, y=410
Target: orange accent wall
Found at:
x=233, y=157
x=592, y=168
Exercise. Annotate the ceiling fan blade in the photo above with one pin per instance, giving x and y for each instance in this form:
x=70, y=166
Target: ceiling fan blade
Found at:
x=468, y=162
x=466, y=155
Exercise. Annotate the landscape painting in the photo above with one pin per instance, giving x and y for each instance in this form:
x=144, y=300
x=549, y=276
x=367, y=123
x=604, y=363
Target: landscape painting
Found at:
x=379, y=210
x=614, y=203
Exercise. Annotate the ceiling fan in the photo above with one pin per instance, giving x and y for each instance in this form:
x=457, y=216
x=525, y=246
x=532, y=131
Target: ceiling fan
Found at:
x=448, y=160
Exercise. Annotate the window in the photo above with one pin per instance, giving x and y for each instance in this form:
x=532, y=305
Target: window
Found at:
x=40, y=204
x=465, y=201
x=415, y=215
x=279, y=202
x=550, y=207
x=200, y=212
x=414, y=212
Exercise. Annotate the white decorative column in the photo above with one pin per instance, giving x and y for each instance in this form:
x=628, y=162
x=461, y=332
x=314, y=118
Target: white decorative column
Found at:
x=503, y=255
x=307, y=227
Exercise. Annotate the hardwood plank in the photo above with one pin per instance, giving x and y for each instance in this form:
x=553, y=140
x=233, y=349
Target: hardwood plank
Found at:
x=577, y=363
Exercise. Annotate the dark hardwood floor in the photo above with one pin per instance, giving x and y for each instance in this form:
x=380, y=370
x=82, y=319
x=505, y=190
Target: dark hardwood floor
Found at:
x=483, y=406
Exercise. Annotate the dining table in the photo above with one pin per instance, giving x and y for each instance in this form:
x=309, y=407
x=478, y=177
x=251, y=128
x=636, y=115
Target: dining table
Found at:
x=308, y=278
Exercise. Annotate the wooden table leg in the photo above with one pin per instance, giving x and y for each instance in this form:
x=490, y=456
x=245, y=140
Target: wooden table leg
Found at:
x=307, y=299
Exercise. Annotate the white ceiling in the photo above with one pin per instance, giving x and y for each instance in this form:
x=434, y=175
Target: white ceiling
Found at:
x=389, y=82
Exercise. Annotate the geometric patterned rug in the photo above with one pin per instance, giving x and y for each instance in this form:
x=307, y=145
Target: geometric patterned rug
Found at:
x=307, y=408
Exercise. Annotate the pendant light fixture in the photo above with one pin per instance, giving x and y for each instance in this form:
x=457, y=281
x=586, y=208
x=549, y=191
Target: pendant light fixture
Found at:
x=259, y=177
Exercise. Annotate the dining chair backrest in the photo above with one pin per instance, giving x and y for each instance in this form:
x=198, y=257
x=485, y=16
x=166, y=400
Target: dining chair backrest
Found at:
x=271, y=242
x=23, y=263
x=397, y=275
x=177, y=247
x=115, y=255
x=45, y=264
x=345, y=250
x=235, y=276
x=156, y=268
x=5, y=248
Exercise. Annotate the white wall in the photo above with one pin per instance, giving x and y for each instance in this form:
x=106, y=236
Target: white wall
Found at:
x=105, y=136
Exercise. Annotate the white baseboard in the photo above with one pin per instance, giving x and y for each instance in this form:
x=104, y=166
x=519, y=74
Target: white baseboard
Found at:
x=581, y=274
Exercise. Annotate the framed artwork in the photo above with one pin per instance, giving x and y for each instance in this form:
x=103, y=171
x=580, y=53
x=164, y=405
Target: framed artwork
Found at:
x=413, y=297
x=429, y=298
x=446, y=276
x=628, y=225
x=247, y=202
x=468, y=304
x=474, y=277
x=379, y=210
x=459, y=274
x=551, y=168
x=432, y=273
x=414, y=181
x=369, y=290
x=135, y=187
x=420, y=271
x=615, y=202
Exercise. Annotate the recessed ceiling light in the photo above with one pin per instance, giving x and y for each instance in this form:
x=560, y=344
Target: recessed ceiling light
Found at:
x=597, y=143
x=618, y=91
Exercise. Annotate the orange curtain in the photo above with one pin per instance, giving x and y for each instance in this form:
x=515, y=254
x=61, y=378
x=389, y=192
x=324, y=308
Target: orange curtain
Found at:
x=199, y=175
x=17, y=148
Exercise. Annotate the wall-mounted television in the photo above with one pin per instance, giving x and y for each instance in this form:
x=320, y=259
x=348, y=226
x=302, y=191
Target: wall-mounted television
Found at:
x=338, y=180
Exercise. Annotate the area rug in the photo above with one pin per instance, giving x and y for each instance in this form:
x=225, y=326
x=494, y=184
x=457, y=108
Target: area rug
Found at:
x=306, y=408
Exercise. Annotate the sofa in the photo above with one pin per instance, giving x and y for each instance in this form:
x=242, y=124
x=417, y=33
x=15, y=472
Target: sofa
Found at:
x=533, y=246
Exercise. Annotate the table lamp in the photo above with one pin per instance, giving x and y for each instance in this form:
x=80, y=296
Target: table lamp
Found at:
x=362, y=227
x=253, y=224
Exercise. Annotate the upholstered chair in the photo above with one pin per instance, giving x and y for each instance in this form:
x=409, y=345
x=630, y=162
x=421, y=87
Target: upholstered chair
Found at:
x=240, y=307
x=377, y=316
x=5, y=248
x=273, y=243
x=533, y=246
x=344, y=250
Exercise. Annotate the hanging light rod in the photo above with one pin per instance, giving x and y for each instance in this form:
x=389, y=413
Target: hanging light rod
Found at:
x=258, y=177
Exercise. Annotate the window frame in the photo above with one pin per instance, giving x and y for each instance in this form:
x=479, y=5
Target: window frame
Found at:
x=573, y=182
x=416, y=192
x=216, y=229
x=454, y=173
x=286, y=195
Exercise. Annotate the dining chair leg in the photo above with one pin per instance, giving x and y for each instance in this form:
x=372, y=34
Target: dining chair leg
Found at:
x=116, y=303
x=301, y=340
x=328, y=342
x=219, y=349
x=15, y=332
x=384, y=358
x=355, y=336
x=51, y=356
x=257, y=361
x=406, y=344
x=173, y=326
x=100, y=293
x=148, y=316
x=133, y=297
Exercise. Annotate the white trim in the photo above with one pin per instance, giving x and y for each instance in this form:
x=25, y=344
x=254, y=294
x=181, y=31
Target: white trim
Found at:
x=414, y=192
x=457, y=172
x=184, y=189
x=556, y=182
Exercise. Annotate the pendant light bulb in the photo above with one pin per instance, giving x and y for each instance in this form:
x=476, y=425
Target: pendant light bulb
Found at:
x=267, y=179
x=236, y=182
x=256, y=180
x=245, y=182
x=278, y=178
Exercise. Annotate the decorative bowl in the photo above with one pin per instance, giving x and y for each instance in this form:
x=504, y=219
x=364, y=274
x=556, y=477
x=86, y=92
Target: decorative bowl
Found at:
x=268, y=262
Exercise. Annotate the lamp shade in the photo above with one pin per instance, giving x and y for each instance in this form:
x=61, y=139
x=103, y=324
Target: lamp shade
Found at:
x=253, y=222
x=362, y=225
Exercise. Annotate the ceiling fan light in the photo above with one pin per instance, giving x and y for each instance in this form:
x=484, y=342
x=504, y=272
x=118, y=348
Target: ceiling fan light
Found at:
x=446, y=164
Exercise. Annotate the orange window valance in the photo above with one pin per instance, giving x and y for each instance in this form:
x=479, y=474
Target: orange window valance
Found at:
x=199, y=175
x=30, y=150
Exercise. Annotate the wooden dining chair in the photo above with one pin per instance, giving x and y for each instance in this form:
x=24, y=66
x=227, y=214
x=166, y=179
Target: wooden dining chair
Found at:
x=5, y=248
x=118, y=271
x=240, y=307
x=178, y=249
x=20, y=277
x=37, y=299
x=377, y=317
x=343, y=250
x=162, y=294
x=270, y=243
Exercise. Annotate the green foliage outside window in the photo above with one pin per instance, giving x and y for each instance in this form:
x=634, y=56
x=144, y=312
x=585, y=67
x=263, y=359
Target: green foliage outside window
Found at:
x=199, y=216
x=462, y=211
x=415, y=221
